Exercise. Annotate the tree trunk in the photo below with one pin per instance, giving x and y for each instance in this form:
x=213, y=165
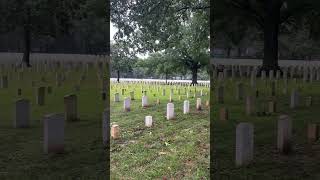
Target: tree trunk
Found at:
x=271, y=30
x=194, y=75
x=166, y=77
x=239, y=52
x=118, y=76
x=228, y=52
x=27, y=40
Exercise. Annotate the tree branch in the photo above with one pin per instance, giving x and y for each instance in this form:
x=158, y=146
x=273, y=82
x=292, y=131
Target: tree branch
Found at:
x=247, y=8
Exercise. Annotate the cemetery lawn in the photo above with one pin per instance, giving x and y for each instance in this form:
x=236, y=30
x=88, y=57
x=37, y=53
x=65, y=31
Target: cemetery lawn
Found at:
x=21, y=151
x=268, y=163
x=175, y=149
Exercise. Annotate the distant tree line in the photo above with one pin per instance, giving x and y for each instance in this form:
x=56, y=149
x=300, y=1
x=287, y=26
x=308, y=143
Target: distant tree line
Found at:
x=64, y=26
x=156, y=66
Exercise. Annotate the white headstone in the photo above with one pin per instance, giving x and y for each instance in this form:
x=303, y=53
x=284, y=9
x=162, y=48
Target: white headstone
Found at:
x=244, y=144
x=148, y=121
x=126, y=104
x=284, y=134
x=144, y=101
x=186, y=107
x=54, y=133
x=170, y=111
x=22, y=113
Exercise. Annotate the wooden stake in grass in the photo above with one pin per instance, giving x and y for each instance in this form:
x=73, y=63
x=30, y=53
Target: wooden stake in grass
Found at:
x=115, y=131
x=313, y=132
x=158, y=101
x=224, y=114
x=170, y=98
x=207, y=103
x=199, y=106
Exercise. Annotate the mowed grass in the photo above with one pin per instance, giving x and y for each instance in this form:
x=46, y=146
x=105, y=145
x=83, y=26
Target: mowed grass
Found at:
x=174, y=149
x=21, y=150
x=268, y=163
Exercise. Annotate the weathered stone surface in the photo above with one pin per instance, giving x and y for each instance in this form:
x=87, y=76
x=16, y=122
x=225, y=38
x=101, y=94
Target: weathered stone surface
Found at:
x=144, y=101
x=127, y=104
x=170, y=111
x=115, y=131
x=22, y=113
x=244, y=144
x=54, y=133
x=71, y=107
x=186, y=107
x=284, y=134
x=116, y=97
x=313, y=132
x=148, y=121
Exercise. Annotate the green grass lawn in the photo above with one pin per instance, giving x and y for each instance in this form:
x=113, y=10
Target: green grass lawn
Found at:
x=268, y=163
x=21, y=150
x=175, y=149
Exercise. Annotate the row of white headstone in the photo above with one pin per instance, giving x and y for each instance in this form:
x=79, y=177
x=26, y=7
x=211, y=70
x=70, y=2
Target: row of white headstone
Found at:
x=53, y=124
x=306, y=73
x=115, y=132
x=245, y=138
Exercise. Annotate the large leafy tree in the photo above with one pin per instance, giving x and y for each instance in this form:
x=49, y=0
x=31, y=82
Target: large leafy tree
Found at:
x=121, y=60
x=45, y=19
x=153, y=26
x=158, y=64
x=271, y=17
x=191, y=48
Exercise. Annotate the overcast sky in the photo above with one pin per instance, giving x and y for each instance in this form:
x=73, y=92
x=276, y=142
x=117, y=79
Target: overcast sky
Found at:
x=113, y=30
